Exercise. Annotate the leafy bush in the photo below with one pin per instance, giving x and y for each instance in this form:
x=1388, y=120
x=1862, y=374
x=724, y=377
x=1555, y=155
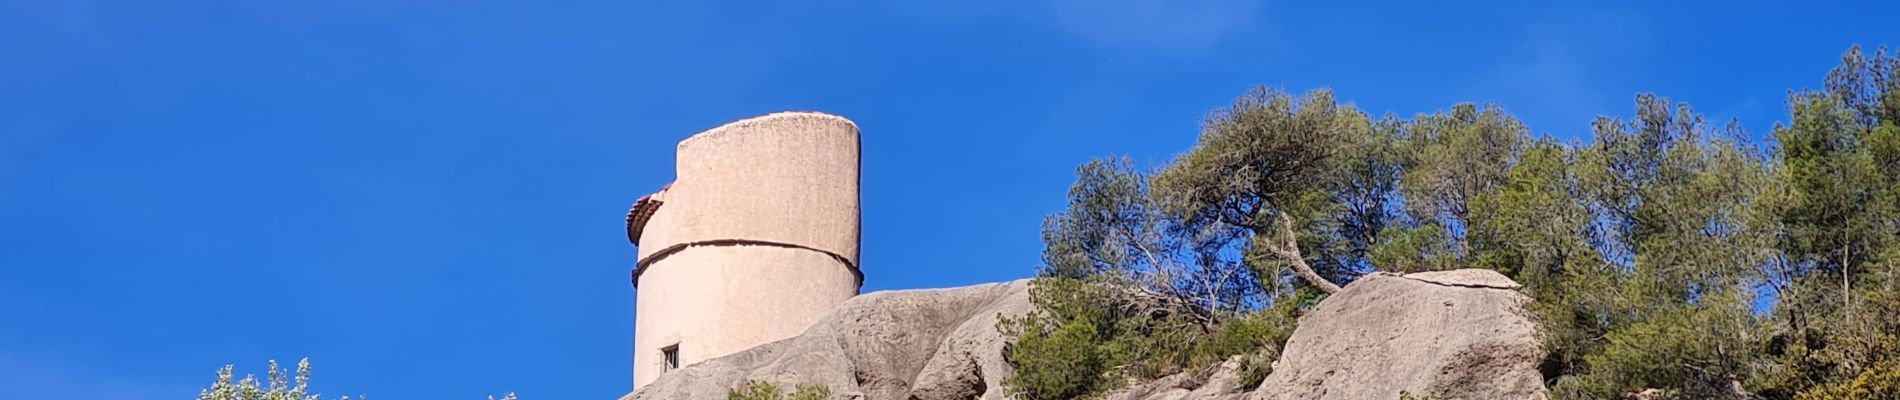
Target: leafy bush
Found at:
x=1254, y=370
x=1068, y=347
x=762, y=390
x=1836, y=350
x=1086, y=338
x=1698, y=352
x=1880, y=382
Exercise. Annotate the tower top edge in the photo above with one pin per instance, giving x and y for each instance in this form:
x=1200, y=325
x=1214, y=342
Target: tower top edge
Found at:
x=782, y=118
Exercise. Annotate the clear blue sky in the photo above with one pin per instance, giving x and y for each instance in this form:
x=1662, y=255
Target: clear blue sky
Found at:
x=426, y=198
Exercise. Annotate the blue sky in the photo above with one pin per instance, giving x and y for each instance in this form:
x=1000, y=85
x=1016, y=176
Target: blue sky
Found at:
x=426, y=198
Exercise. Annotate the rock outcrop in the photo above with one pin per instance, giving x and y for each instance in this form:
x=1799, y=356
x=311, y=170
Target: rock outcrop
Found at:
x=908, y=344
x=1452, y=334
x=1220, y=382
x=1458, y=334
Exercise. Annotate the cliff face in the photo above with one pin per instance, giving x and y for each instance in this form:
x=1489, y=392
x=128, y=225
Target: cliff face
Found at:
x=1455, y=334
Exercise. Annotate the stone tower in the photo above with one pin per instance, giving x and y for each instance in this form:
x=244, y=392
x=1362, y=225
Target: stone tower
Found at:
x=755, y=239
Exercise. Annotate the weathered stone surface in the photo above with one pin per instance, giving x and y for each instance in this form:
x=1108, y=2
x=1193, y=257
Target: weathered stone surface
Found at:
x=1456, y=334
x=1221, y=382
x=910, y=344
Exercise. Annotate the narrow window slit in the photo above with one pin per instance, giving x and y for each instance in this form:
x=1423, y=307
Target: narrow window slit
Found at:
x=669, y=358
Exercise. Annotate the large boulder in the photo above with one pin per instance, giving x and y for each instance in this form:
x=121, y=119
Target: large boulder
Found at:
x=907, y=344
x=1458, y=334
x=1453, y=334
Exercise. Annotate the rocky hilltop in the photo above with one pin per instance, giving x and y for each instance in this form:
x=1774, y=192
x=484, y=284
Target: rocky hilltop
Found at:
x=1453, y=334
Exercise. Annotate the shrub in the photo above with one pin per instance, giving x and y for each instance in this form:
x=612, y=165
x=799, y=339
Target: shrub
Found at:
x=1062, y=349
x=1087, y=337
x=1254, y=370
x=761, y=390
x=1880, y=382
x=1696, y=351
x=278, y=384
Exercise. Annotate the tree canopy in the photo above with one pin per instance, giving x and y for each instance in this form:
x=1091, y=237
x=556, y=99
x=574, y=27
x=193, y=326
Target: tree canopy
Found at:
x=1664, y=252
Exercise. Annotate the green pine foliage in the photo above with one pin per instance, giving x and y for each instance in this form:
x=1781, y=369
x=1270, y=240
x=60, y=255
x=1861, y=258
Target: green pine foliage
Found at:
x=1664, y=254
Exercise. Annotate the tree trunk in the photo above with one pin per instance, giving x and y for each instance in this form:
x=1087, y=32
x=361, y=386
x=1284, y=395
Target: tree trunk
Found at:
x=1290, y=251
x=1847, y=293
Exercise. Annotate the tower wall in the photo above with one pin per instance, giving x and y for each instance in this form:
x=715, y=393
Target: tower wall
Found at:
x=756, y=239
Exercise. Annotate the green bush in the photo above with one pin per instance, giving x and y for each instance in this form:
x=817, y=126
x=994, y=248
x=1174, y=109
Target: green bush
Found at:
x=1834, y=350
x=1063, y=349
x=761, y=390
x=1696, y=351
x=1880, y=382
x=1254, y=370
x=1258, y=337
x=1086, y=338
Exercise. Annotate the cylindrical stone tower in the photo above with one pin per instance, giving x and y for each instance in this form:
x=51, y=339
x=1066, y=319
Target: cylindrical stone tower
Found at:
x=755, y=240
